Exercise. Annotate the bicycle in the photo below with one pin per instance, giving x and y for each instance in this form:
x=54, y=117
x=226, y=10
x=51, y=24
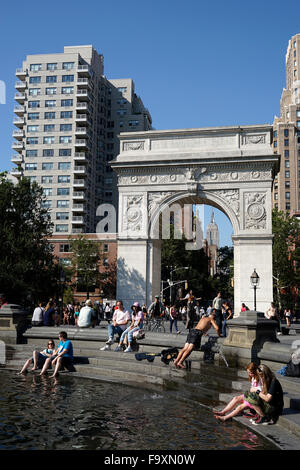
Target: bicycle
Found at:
x=158, y=325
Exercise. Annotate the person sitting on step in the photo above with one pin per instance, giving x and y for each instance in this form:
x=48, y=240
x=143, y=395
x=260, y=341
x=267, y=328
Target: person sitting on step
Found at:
x=136, y=324
x=118, y=325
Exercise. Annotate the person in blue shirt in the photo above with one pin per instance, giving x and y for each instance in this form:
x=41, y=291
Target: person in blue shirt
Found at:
x=63, y=356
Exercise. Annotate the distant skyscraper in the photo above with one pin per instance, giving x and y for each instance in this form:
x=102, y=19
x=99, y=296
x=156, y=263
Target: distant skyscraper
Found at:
x=212, y=237
x=68, y=119
x=286, y=193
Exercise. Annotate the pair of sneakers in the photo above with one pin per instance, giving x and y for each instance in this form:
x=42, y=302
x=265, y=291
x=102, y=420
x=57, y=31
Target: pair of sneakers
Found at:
x=260, y=420
x=118, y=348
x=107, y=345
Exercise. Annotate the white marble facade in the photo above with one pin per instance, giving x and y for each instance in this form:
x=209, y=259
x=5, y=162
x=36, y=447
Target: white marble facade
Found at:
x=230, y=168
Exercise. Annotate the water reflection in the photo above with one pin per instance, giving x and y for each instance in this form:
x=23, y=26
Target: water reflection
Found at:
x=69, y=413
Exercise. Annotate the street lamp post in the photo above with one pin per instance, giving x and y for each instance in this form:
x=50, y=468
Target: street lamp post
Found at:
x=254, y=279
x=171, y=279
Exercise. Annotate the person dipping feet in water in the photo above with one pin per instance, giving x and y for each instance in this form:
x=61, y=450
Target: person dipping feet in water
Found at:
x=193, y=340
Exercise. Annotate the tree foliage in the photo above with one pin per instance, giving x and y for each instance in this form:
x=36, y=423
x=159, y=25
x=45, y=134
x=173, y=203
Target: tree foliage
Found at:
x=285, y=256
x=26, y=261
x=85, y=263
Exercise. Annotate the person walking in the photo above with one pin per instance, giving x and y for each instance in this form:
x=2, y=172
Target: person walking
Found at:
x=217, y=305
x=173, y=318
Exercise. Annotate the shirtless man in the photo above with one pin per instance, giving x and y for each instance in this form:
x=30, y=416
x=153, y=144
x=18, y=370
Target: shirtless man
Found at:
x=194, y=338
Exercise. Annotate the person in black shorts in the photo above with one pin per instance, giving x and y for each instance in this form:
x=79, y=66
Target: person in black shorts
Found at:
x=193, y=340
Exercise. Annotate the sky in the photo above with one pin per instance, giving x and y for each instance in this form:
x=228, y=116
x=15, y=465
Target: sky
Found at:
x=194, y=63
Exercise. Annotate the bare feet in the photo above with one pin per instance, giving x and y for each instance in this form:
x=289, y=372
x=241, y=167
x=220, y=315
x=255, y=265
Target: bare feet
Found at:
x=181, y=366
x=219, y=413
x=222, y=418
x=33, y=369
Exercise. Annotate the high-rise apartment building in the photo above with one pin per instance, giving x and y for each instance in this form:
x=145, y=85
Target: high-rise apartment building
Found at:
x=68, y=118
x=286, y=193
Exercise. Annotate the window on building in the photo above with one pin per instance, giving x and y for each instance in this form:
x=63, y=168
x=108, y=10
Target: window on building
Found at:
x=31, y=153
x=63, y=191
x=287, y=174
x=286, y=153
x=66, y=103
x=34, y=91
x=63, y=203
x=49, y=128
x=30, y=166
x=62, y=215
x=49, y=115
x=33, y=104
x=65, y=127
x=287, y=184
x=63, y=179
x=287, y=195
x=47, y=191
x=48, y=153
x=66, y=114
x=51, y=91
x=122, y=89
x=64, y=248
x=33, y=116
x=52, y=66
x=286, y=132
x=47, y=204
x=36, y=79
x=287, y=164
x=65, y=152
x=32, y=140
x=275, y=143
x=68, y=65
x=68, y=78
x=275, y=196
x=51, y=79
x=50, y=103
x=287, y=206
x=64, y=166
x=286, y=142
x=105, y=262
x=67, y=90
x=61, y=228
x=49, y=140
x=32, y=128
x=47, y=166
x=65, y=139
x=47, y=179
x=35, y=67
x=105, y=248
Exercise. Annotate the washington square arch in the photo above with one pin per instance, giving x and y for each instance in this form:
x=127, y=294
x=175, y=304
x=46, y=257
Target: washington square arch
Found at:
x=229, y=168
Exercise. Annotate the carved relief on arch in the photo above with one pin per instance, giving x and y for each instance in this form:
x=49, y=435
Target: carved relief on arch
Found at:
x=255, y=217
x=133, y=218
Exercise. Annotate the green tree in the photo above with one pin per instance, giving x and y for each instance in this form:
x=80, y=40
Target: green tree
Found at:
x=285, y=272
x=27, y=271
x=85, y=263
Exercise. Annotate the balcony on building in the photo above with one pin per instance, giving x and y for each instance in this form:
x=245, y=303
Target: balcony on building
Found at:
x=18, y=135
x=78, y=220
x=83, y=119
x=78, y=208
x=79, y=183
x=84, y=71
x=80, y=170
x=17, y=159
x=19, y=110
x=83, y=83
x=17, y=172
x=19, y=122
x=20, y=97
x=21, y=74
x=77, y=230
x=82, y=107
x=80, y=157
x=19, y=85
x=81, y=131
x=83, y=95
x=81, y=143
x=79, y=195
x=18, y=146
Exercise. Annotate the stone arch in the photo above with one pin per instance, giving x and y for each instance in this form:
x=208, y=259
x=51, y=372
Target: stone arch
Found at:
x=230, y=168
